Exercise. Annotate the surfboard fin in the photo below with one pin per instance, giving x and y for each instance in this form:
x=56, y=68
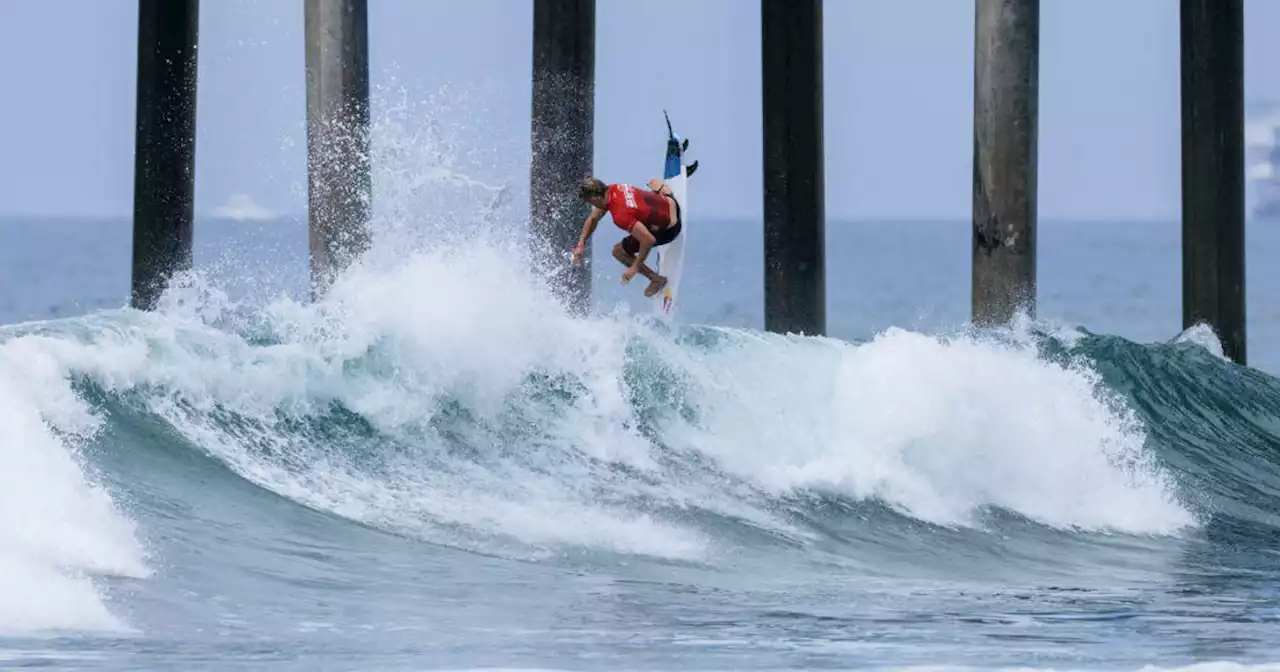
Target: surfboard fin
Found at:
x=689, y=170
x=685, y=147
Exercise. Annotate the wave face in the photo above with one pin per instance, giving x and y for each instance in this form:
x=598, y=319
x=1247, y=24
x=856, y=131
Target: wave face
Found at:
x=437, y=460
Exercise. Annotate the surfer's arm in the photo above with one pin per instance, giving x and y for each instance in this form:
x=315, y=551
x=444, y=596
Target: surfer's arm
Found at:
x=589, y=226
x=658, y=185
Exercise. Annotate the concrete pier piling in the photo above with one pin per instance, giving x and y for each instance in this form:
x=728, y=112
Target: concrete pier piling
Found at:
x=1213, y=197
x=1005, y=131
x=563, y=141
x=165, y=144
x=794, y=207
x=339, y=185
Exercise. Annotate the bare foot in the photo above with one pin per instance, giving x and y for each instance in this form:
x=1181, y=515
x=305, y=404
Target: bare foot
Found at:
x=655, y=286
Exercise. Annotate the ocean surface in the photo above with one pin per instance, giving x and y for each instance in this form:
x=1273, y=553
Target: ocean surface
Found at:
x=434, y=467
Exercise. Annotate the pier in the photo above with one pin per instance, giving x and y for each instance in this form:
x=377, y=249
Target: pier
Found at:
x=562, y=141
x=1004, y=181
x=1006, y=89
x=165, y=146
x=795, y=282
x=338, y=182
x=1213, y=207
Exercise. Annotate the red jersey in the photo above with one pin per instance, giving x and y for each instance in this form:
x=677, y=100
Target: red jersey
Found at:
x=629, y=205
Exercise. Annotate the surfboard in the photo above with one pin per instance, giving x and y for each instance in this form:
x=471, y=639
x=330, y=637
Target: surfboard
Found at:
x=675, y=173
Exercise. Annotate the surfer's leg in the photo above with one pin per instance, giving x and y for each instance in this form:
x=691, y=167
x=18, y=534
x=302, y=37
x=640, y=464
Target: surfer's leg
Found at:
x=655, y=285
x=624, y=253
x=625, y=256
x=664, y=237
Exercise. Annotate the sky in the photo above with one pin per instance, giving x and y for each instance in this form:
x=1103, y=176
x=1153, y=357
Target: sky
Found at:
x=898, y=97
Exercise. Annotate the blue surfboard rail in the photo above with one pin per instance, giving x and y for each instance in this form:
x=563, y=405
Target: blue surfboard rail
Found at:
x=674, y=151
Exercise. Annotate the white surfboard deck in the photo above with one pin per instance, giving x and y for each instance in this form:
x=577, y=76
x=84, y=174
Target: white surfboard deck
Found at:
x=671, y=256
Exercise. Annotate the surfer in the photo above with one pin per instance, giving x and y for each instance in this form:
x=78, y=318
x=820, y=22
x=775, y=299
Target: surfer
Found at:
x=656, y=210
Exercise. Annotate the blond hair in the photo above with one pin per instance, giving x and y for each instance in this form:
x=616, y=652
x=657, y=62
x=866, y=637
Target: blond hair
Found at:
x=591, y=187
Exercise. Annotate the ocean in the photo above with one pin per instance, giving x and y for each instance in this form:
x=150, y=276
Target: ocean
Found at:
x=435, y=467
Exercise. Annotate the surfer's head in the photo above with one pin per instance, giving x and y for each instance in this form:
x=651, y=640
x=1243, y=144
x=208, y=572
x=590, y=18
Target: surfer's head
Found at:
x=592, y=190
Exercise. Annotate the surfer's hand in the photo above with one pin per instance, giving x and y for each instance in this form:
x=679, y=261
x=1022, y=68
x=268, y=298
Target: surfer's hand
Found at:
x=577, y=254
x=628, y=274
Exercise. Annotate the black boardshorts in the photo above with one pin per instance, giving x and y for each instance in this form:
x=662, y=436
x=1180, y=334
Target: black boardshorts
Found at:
x=632, y=246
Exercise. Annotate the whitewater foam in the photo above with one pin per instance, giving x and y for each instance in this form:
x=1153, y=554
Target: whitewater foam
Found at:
x=938, y=429
x=58, y=529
